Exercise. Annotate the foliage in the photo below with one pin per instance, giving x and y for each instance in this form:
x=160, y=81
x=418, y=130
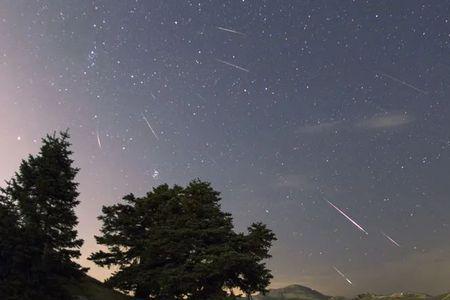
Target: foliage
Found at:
x=176, y=243
x=37, y=206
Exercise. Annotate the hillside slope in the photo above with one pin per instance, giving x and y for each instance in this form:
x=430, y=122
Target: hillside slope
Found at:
x=298, y=292
x=89, y=288
x=293, y=292
x=395, y=296
x=442, y=297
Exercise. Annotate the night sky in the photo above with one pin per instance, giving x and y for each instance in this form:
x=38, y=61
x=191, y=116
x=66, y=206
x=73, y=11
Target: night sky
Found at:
x=327, y=120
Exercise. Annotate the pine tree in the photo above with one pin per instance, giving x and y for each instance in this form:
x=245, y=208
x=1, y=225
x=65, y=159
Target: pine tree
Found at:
x=176, y=243
x=11, y=241
x=39, y=202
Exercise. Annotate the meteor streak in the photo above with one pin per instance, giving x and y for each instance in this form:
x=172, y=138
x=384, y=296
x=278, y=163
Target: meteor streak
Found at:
x=150, y=127
x=403, y=83
x=348, y=218
x=230, y=30
x=232, y=65
x=342, y=275
x=98, y=139
x=390, y=239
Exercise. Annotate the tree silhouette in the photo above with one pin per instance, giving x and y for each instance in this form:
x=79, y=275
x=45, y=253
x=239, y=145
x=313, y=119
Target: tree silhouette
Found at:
x=176, y=243
x=38, y=206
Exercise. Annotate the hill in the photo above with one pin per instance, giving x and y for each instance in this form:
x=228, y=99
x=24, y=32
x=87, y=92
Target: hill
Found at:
x=298, y=292
x=395, y=296
x=293, y=292
x=89, y=288
x=442, y=297
x=403, y=296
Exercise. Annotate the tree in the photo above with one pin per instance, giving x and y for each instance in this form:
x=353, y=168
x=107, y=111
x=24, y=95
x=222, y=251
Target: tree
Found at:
x=22, y=272
x=176, y=243
x=39, y=205
x=11, y=241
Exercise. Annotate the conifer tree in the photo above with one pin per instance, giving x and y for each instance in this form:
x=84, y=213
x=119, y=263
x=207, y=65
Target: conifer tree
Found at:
x=39, y=204
x=11, y=241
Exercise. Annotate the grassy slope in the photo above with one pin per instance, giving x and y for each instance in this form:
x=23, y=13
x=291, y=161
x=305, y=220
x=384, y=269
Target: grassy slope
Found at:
x=293, y=292
x=298, y=292
x=442, y=297
x=403, y=296
x=91, y=289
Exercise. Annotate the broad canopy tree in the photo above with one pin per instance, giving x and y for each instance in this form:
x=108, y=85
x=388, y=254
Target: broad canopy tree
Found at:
x=177, y=243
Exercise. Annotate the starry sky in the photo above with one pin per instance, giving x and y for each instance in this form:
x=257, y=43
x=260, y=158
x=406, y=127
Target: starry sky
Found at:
x=327, y=120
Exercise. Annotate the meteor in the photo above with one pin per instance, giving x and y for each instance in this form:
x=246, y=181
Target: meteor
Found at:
x=342, y=275
x=230, y=30
x=390, y=239
x=98, y=139
x=348, y=218
x=404, y=83
x=150, y=127
x=232, y=65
